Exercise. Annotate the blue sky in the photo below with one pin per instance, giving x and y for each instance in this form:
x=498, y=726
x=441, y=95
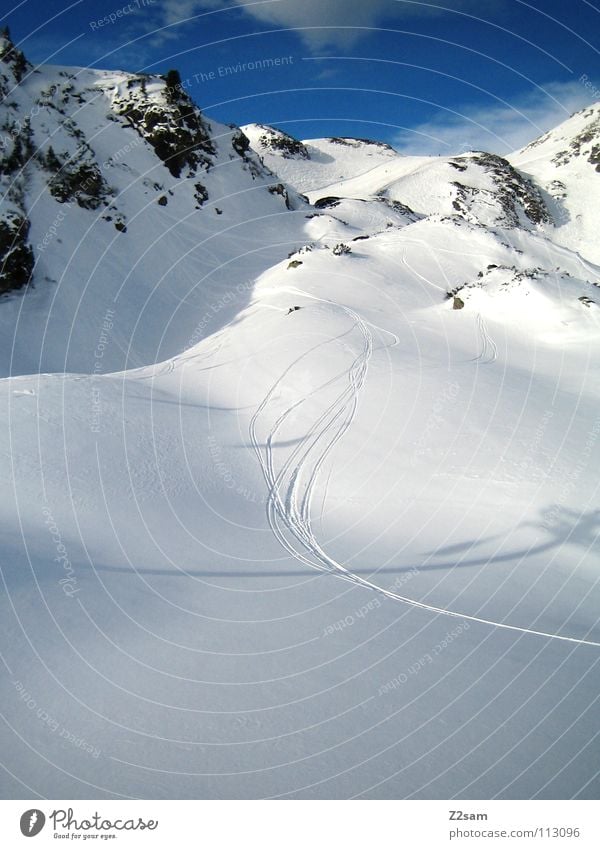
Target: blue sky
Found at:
x=436, y=77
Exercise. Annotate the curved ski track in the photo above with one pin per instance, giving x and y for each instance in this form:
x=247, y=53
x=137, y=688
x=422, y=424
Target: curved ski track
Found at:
x=291, y=488
x=489, y=349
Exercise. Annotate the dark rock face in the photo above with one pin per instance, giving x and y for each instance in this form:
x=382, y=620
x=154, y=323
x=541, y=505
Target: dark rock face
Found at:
x=341, y=249
x=519, y=201
x=16, y=256
x=46, y=106
x=277, y=141
x=587, y=143
x=201, y=194
x=402, y=208
x=291, y=199
x=587, y=302
x=17, y=148
x=82, y=183
x=280, y=189
x=12, y=58
x=327, y=203
x=348, y=142
x=240, y=143
x=175, y=129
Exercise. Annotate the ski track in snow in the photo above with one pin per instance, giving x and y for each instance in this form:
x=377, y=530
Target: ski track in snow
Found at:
x=489, y=349
x=291, y=489
x=168, y=366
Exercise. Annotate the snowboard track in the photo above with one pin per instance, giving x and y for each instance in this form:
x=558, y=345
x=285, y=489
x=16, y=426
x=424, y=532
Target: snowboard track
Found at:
x=291, y=488
x=489, y=349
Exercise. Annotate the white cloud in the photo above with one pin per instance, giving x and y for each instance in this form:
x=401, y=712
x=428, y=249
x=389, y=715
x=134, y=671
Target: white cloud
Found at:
x=498, y=128
x=313, y=17
x=324, y=23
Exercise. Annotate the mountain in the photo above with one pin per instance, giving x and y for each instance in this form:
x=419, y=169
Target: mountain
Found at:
x=300, y=495
x=108, y=179
x=514, y=209
x=565, y=163
x=552, y=181
x=312, y=164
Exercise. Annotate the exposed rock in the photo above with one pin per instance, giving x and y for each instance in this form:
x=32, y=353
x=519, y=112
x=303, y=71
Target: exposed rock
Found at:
x=201, y=193
x=175, y=128
x=342, y=249
x=16, y=255
x=280, y=189
x=327, y=203
x=587, y=302
x=351, y=142
x=283, y=143
x=82, y=183
x=519, y=201
x=12, y=57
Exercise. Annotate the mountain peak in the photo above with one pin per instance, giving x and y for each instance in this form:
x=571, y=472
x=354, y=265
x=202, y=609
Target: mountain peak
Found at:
x=13, y=59
x=578, y=136
x=272, y=140
x=350, y=141
x=127, y=157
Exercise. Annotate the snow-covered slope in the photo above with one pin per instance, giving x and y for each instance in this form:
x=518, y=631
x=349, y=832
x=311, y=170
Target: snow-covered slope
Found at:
x=126, y=201
x=317, y=525
x=315, y=163
x=565, y=163
x=553, y=182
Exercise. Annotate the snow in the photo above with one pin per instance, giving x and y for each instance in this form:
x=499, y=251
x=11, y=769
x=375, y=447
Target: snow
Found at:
x=561, y=163
x=329, y=160
x=344, y=551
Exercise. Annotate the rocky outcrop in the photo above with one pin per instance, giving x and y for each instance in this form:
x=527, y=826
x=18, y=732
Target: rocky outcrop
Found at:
x=16, y=255
x=171, y=123
x=518, y=201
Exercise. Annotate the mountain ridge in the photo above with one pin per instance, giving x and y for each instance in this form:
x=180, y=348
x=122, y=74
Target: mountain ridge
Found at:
x=301, y=496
